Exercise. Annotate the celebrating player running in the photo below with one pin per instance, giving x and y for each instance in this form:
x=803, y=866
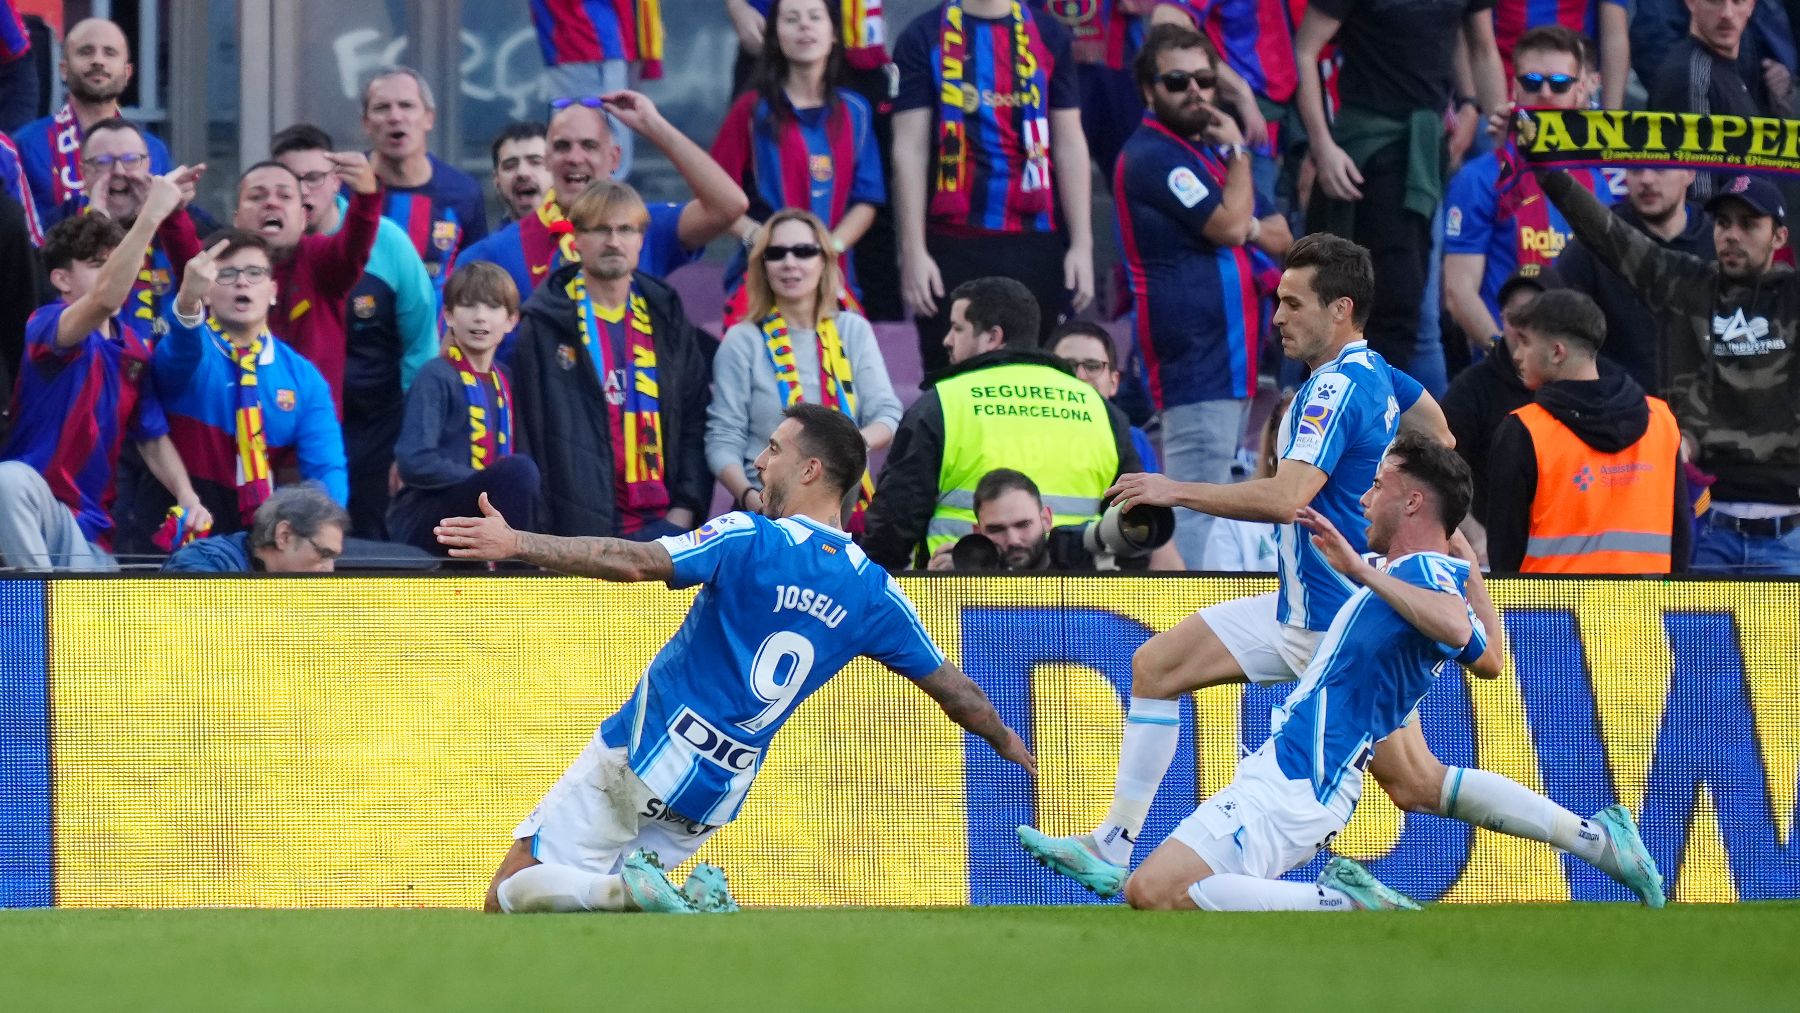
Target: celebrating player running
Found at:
x=1332, y=441
x=788, y=601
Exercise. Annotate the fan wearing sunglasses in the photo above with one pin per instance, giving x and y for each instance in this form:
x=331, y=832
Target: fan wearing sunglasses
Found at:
x=1497, y=223
x=795, y=344
x=1188, y=219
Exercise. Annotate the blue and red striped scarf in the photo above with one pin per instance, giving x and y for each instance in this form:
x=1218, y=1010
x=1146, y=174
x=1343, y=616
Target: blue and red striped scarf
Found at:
x=1025, y=86
x=490, y=410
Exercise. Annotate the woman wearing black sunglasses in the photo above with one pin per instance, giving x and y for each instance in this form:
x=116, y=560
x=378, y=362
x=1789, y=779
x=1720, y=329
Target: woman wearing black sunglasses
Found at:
x=795, y=344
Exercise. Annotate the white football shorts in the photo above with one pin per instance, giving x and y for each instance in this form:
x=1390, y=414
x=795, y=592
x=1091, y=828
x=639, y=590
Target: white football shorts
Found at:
x=1262, y=824
x=599, y=812
x=1268, y=651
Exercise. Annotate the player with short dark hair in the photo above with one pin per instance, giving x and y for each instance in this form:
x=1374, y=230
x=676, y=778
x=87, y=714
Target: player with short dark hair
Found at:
x=1394, y=635
x=1332, y=443
x=677, y=760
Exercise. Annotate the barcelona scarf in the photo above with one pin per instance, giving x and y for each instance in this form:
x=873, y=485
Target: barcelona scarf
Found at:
x=65, y=157
x=799, y=168
x=255, y=479
x=147, y=292
x=490, y=410
x=837, y=388
x=637, y=436
x=178, y=529
x=865, y=34
x=547, y=239
x=958, y=97
x=1649, y=139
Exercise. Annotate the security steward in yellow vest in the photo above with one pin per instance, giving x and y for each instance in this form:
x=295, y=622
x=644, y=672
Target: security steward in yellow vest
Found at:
x=1588, y=477
x=1000, y=404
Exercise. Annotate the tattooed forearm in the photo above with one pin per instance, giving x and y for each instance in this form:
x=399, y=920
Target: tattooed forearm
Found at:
x=605, y=558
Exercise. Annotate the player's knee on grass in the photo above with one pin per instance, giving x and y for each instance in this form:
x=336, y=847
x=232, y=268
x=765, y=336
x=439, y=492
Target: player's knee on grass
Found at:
x=517, y=857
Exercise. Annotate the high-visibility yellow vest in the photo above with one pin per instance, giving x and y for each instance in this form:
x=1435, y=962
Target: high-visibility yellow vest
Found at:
x=1031, y=418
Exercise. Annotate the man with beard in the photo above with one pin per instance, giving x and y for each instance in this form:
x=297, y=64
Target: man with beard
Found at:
x=314, y=274
x=612, y=383
x=390, y=322
x=1010, y=512
x=645, y=787
x=96, y=67
x=439, y=205
x=1187, y=223
x=582, y=150
x=1001, y=403
x=1656, y=204
x=1728, y=335
x=521, y=170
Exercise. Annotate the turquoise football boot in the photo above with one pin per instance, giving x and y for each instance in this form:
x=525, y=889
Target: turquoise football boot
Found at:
x=650, y=889
x=707, y=890
x=1630, y=862
x=1363, y=889
x=1075, y=858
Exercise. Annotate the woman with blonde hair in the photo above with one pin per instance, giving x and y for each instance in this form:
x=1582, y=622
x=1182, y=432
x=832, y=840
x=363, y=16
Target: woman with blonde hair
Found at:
x=793, y=345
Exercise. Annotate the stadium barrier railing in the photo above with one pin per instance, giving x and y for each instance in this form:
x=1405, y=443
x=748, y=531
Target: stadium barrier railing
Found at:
x=372, y=741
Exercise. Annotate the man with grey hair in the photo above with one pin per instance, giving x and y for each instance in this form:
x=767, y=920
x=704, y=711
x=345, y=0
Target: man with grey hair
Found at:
x=298, y=529
x=440, y=206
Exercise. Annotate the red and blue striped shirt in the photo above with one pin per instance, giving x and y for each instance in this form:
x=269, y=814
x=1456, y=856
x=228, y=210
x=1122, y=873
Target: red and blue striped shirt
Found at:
x=593, y=31
x=73, y=406
x=1198, y=313
x=996, y=151
x=1512, y=18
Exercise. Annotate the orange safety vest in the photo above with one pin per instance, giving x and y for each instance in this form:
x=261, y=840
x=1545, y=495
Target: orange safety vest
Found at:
x=1597, y=512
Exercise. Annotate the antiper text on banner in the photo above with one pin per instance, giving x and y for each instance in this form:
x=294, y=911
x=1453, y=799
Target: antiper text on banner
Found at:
x=1573, y=138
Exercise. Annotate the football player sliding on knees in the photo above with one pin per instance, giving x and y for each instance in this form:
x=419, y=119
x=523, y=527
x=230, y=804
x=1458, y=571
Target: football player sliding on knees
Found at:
x=788, y=601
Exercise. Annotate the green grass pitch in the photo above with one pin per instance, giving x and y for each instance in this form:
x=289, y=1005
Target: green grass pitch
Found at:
x=1575, y=957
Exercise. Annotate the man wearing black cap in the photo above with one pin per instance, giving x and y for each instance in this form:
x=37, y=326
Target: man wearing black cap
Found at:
x=1729, y=331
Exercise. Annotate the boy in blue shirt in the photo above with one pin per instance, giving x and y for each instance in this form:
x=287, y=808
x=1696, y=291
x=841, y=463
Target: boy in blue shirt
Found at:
x=787, y=600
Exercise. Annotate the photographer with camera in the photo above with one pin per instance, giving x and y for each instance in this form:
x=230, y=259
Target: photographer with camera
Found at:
x=1014, y=532
x=1001, y=404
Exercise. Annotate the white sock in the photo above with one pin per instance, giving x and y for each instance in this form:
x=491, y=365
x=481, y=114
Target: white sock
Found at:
x=1152, y=729
x=560, y=888
x=1505, y=806
x=1227, y=891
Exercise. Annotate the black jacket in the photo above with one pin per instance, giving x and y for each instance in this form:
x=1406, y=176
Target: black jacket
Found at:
x=1608, y=414
x=1478, y=399
x=563, y=421
x=1633, y=339
x=906, y=494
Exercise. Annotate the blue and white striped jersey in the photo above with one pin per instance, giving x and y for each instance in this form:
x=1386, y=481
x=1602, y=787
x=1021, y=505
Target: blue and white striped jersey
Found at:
x=783, y=606
x=1341, y=422
x=1372, y=668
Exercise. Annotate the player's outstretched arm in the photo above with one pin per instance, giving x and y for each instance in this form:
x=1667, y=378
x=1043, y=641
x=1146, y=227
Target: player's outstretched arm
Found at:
x=964, y=703
x=1492, y=661
x=1440, y=615
x=489, y=537
x=1271, y=500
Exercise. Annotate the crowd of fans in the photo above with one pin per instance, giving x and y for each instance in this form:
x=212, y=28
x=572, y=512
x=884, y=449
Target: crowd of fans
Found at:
x=350, y=352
